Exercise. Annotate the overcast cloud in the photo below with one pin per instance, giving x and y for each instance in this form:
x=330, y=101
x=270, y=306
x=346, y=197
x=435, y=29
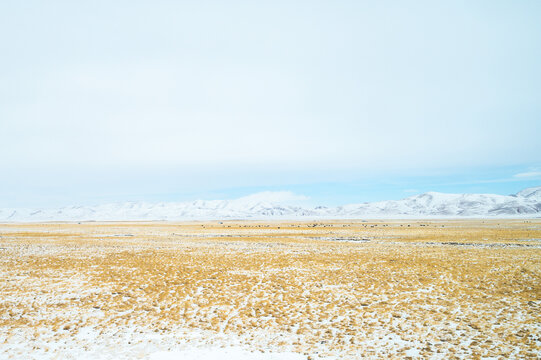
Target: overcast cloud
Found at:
x=298, y=89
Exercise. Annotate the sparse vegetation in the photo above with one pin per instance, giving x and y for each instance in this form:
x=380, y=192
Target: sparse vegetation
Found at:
x=344, y=289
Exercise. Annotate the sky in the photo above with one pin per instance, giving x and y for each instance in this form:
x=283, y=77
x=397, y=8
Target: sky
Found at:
x=337, y=101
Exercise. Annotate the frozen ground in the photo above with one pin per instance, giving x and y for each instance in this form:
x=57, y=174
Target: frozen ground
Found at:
x=271, y=290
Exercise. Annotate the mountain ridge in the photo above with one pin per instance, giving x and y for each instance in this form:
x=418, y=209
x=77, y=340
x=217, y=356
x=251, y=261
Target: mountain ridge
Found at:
x=525, y=203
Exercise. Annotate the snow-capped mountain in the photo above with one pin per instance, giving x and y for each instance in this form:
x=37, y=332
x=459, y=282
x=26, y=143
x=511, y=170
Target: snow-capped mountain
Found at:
x=269, y=205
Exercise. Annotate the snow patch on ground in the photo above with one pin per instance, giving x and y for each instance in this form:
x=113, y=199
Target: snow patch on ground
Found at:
x=221, y=354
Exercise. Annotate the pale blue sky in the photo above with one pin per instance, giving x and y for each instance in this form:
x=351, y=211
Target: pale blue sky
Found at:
x=343, y=101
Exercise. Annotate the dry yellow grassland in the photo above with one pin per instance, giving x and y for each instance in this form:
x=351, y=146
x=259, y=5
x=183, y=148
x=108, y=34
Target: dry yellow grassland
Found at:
x=331, y=289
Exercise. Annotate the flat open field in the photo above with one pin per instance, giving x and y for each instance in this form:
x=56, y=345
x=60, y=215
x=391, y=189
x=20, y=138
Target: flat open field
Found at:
x=331, y=289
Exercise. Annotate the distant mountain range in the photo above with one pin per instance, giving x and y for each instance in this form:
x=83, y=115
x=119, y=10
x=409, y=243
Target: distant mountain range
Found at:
x=526, y=203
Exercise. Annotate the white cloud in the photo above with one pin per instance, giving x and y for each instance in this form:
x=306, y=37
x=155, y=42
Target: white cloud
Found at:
x=529, y=174
x=411, y=191
x=274, y=197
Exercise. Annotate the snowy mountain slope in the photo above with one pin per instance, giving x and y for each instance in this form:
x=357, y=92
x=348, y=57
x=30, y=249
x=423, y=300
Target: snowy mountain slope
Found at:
x=274, y=205
x=533, y=193
x=438, y=204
